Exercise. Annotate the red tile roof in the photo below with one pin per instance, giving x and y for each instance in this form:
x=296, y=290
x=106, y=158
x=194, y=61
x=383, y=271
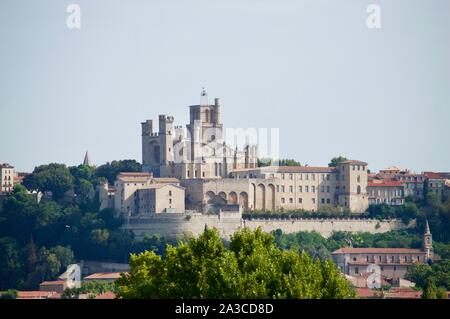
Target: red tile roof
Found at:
x=433, y=175
x=165, y=180
x=384, y=184
x=103, y=276
x=54, y=282
x=37, y=294
x=403, y=293
x=393, y=293
x=134, y=174
x=106, y=295
x=346, y=250
x=365, y=292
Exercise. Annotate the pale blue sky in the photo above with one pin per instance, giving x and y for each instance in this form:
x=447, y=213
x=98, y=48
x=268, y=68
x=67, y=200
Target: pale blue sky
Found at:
x=311, y=68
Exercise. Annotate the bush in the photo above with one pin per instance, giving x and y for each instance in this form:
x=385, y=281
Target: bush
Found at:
x=9, y=294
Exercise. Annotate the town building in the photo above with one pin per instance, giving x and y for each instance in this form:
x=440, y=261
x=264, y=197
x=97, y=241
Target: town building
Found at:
x=107, y=195
x=393, y=293
x=141, y=193
x=393, y=262
x=436, y=183
x=386, y=192
x=53, y=286
x=309, y=188
x=413, y=185
x=7, y=175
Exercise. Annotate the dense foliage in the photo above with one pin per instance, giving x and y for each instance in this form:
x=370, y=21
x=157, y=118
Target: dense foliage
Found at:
x=111, y=170
x=251, y=267
x=325, y=212
x=39, y=240
x=92, y=288
x=317, y=246
x=55, y=178
x=336, y=160
x=281, y=162
x=437, y=274
x=9, y=294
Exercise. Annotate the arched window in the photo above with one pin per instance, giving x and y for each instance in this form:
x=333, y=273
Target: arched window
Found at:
x=358, y=190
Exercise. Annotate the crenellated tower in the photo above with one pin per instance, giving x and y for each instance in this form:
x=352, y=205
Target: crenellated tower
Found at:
x=157, y=148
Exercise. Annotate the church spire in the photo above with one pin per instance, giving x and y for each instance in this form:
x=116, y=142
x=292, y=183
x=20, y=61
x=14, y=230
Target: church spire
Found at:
x=86, y=160
x=428, y=242
x=427, y=228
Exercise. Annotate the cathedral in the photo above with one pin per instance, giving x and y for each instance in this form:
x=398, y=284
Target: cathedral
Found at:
x=199, y=152
x=216, y=175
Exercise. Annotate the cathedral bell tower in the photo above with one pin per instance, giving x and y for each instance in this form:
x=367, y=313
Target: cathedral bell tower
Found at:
x=428, y=243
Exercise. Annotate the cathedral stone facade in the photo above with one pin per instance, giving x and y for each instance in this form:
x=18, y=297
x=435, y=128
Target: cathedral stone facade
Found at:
x=198, y=152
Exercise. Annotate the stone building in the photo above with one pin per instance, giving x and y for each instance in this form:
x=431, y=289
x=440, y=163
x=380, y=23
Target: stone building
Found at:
x=386, y=192
x=413, y=184
x=436, y=183
x=284, y=188
x=141, y=193
x=307, y=188
x=107, y=195
x=6, y=178
x=197, y=153
x=393, y=262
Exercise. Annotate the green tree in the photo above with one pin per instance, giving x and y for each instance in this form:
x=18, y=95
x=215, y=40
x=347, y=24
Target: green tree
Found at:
x=52, y=177
x=18, y=217
x=9, y=294
x=83, y=172
x=261, y=162
x=252, y=267
x=84, y=190
x=51, y=263
x=432, y=292
x=100, y=236
x=11, y=263
x=419, y=274
x=111, y=170
x=92, y=288
x=287, y=162
x=336, y=160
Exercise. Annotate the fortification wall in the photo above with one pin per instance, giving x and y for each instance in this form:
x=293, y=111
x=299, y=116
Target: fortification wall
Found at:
x=325, y=227
x=179, y=225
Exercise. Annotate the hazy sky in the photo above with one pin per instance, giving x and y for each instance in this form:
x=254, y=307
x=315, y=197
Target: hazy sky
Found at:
x=311, y=68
